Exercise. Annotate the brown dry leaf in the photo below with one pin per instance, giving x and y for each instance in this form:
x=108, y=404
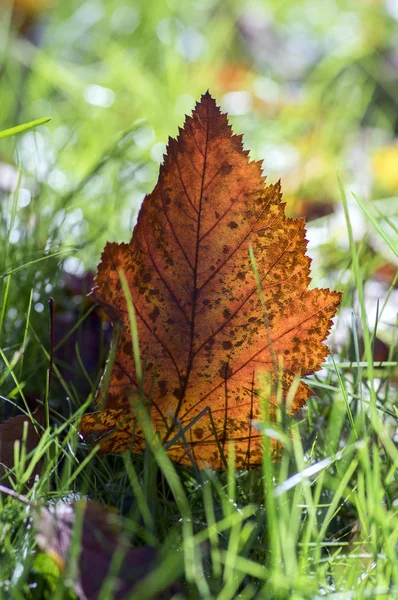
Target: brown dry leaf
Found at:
x=12, y=431
x=100, y=538
x=29, y=9
x=26, y=14
x=203, y=334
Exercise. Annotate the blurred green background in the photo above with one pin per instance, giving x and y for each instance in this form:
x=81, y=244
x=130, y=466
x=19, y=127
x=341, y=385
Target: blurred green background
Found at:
x=312, y=85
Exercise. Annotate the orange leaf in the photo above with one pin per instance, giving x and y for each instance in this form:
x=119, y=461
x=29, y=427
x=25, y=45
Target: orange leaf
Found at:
x=203, y=334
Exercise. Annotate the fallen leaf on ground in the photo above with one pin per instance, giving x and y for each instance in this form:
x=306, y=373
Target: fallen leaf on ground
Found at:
x=100, y=538
x=204, y=334
x=12, y=431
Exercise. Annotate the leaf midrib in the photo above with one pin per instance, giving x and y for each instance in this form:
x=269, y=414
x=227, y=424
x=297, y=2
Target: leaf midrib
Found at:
x=194, y=291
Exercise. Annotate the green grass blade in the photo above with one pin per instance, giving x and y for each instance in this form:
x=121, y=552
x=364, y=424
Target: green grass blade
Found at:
x=361, y=297
x=25, y=127
x=393, y=246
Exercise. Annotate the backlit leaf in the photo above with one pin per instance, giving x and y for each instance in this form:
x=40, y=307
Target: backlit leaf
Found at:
x=204, y=333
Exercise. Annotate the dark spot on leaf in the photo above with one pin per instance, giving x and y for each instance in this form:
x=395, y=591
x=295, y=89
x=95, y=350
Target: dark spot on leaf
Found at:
x=162, y=388
x=226, y=169
x=128, y=348
x=154, y=314
x=198, y=433
x=225, y=371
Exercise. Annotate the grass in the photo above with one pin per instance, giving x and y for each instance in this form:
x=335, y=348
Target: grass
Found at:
x=23, y=128
x=322, y=521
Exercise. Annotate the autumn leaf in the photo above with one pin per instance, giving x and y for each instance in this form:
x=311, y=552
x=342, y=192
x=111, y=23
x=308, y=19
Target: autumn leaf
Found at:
x=101, y=537
x=204, y=333
x=12, y=431
x=26, y=12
